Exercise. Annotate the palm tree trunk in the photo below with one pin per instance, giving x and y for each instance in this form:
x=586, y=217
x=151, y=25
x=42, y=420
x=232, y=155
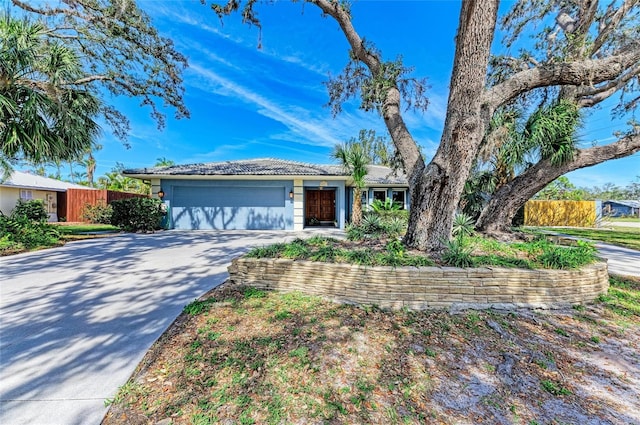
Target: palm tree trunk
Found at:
x=356, y=210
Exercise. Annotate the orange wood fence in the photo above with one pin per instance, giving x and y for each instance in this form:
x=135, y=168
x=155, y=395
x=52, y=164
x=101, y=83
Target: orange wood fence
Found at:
x=71, y=203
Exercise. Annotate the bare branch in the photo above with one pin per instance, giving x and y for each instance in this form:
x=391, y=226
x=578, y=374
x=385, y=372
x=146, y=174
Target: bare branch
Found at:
x=590, y=96
x=612, y=21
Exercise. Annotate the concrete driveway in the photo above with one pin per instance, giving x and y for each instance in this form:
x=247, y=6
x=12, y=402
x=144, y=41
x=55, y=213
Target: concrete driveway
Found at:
x=76, y=320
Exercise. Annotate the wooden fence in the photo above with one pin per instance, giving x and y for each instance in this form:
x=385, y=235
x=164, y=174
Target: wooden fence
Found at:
x=72, y=203
x=560, y=213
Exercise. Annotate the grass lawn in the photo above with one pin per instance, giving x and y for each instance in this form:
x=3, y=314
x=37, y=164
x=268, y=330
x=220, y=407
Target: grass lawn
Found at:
x=622, y=236
x=244, y=356
x=78, y=231
x=623, y=219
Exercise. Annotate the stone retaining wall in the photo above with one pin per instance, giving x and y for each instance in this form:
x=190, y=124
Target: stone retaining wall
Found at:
x=421, y=288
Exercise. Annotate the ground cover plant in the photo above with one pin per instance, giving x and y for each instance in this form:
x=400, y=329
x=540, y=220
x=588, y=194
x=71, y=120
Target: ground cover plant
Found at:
x=628, y=237
x=244, y=356
x=461, y=251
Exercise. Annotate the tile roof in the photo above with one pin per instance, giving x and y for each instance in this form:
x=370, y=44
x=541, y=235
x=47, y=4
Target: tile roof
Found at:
x=34, y=181
x=626, y=202
x=269, y=167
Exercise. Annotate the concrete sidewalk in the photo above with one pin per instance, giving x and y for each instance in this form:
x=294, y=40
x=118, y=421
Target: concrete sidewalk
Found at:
x=623, y=261
x=75, y=321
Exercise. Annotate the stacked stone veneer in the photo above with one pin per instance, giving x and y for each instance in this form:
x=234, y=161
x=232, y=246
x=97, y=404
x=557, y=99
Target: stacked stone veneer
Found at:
x=421, y=288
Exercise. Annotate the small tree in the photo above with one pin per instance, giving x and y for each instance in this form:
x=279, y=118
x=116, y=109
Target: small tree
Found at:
x=354, y=160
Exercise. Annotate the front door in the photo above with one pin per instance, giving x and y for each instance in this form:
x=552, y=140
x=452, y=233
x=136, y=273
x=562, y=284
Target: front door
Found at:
x=320, y=207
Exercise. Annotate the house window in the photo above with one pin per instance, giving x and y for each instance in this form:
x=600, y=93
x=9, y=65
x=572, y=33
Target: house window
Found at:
x=399, y=197
x=380, y=194
x=26, y=194
x=364, y=198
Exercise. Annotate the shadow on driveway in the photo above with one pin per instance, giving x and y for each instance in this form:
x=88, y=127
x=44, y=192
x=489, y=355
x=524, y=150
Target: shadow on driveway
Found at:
x=76, y=320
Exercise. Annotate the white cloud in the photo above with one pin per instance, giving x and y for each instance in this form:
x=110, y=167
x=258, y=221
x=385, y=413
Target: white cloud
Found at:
x=295, y=118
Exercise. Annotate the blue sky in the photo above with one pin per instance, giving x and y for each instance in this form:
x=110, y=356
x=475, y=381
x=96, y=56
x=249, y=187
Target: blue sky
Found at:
x=247, y=102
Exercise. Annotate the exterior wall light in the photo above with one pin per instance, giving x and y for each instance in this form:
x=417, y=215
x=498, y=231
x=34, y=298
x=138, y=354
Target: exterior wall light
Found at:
x=161, y=194
x=291, y=194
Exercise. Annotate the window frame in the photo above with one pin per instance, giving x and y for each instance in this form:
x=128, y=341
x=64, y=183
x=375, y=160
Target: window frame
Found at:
x=385, y=191
x=404, y=197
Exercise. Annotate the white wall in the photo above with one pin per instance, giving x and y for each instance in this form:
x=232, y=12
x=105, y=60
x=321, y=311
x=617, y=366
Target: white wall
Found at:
x=9, y=198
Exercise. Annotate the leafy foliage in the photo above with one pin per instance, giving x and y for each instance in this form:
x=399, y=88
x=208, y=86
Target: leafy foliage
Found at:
x=137, y=214
x=44, y=116
x=121, y=53
x=462, y=225
x=457, y=253
x=99, y=213
x=33, y=210
x=387, y=205
x=25, y=229
x=561, y=257
x=376, y=225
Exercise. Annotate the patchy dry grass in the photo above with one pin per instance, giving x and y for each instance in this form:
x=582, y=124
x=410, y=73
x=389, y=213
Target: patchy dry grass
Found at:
x=243, y=356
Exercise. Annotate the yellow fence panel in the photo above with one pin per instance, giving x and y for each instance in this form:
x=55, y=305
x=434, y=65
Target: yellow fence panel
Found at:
x=560, y=213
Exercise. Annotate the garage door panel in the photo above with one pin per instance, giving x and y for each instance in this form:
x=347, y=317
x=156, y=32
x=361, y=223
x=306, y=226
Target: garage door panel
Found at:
x=221, y=197
x=259, y=208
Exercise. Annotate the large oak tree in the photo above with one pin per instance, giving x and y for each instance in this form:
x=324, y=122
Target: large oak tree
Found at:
x=610, y=64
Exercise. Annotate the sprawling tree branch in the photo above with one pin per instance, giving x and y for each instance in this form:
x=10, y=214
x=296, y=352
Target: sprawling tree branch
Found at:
x=588, y=96
x=577, y=73
x=496, y=216
x=391, y=110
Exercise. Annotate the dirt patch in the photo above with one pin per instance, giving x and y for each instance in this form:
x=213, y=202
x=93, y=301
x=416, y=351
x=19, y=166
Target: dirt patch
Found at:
x=245, y=356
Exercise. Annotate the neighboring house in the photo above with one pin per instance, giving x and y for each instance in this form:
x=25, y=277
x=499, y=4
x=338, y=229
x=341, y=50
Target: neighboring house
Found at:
x=30, y=186
x=621, y=208
x=264, y=193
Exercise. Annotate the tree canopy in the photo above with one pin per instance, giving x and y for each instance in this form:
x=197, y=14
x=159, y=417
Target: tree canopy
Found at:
x=42, y=118
x=121, y=53
x=583, y=53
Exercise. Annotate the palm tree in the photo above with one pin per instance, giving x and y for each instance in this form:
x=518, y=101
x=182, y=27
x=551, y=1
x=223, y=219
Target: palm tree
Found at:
x=354, y=161
x=44, y=116
x=164, y=162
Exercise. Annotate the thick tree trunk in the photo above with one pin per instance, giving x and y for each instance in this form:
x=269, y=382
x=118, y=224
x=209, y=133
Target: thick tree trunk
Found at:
x=498, y=214
x=435, y=194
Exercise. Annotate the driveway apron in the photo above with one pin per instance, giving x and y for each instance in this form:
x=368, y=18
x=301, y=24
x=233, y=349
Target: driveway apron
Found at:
x=76, y=320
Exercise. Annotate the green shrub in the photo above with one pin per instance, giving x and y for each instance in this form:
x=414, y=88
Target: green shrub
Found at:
x=386, y=205
x=99, y=213
x=377, y=225
x=567, y=257
x=359, y=256
x=462, y=225
x=457, y=253
x=20, y=233
x=296, y=250
x=33, y=210
x=269, y=251
x=137, y=214
x=325, y=253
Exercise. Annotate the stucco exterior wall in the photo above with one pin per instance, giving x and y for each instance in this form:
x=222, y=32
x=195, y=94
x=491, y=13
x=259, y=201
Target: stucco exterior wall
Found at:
x=9, y=198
